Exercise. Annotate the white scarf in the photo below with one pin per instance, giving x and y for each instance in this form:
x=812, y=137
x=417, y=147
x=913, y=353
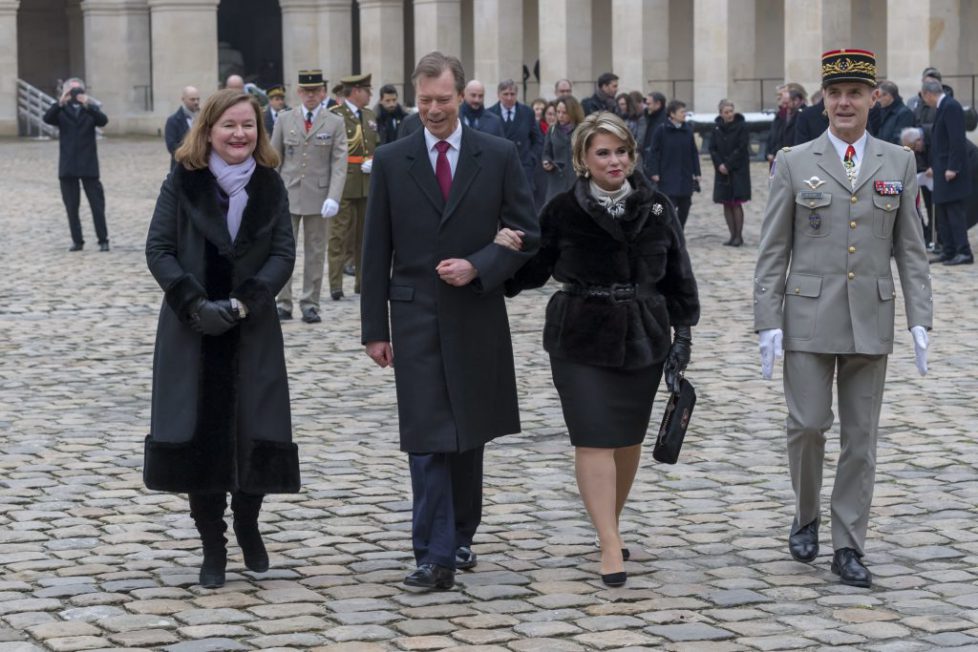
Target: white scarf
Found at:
x=232, y=179
x=613, y=202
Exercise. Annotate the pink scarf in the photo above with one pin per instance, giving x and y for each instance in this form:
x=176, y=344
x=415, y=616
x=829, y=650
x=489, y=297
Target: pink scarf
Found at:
x=232, y=179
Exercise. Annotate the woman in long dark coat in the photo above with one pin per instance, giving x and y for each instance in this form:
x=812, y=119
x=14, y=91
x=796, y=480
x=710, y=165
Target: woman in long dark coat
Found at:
x=557, y=146
x=221, y=246
x=674, y=161
x=617, y=247
x=730, y=151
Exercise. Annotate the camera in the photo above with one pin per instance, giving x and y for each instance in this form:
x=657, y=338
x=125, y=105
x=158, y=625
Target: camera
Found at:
x=75, y=92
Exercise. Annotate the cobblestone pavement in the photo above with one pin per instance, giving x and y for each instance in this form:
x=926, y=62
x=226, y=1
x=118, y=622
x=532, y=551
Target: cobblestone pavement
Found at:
x=91, y=560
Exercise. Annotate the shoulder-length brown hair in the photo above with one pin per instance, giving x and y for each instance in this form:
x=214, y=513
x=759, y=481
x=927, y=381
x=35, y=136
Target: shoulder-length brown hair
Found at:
x=195, y=150
x=573, y=108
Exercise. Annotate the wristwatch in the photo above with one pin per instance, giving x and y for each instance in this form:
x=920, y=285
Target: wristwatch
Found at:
x=238, y=309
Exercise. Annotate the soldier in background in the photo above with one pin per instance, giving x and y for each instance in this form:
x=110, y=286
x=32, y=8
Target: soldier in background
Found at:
x=276, y=104
x=362, y=139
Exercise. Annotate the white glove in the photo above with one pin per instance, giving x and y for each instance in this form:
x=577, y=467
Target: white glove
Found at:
x=330, y=208
x=920, y=341
x=366, y=166
x=770, y=344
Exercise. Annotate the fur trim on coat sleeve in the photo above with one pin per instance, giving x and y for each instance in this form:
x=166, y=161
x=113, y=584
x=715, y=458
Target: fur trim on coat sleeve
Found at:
x=183, y=295
x=256, y=296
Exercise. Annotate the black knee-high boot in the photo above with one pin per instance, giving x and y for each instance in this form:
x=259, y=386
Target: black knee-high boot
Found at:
x=207, y=510
x=246, y=508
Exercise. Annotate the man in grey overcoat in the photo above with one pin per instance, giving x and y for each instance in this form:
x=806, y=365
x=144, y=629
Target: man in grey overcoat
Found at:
x=432, y=306
x=840, y=206
x=311, y=143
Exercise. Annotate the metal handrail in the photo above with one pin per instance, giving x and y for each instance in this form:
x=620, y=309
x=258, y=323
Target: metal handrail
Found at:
x=32, y=104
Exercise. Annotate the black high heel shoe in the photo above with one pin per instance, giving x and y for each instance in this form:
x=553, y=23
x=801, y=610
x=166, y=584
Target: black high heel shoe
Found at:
x=614, y=580
x=625, y=554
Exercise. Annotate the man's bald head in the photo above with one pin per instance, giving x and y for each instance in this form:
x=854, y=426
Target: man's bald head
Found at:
x=475, y=94
x=191, y=99
x=236, y=82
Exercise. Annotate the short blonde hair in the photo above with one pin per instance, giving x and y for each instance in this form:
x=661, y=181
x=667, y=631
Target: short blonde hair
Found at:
x=603, y=122
x=195, y=150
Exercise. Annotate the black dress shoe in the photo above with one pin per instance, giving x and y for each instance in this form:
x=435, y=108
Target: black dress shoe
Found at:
x=349, y=269
x=103, y=246
x=284, y=315
x=77, y=246
x=803, y=544
x=310, y=315
x=961, y=259
x=336, y=295
x=615, y=580
x=942, y=258
x=465, y=558
x=431, y=576
x=846, y=564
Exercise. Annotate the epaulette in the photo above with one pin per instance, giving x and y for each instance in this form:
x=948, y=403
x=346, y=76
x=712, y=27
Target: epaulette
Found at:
x=785, y=149
x=908, y=148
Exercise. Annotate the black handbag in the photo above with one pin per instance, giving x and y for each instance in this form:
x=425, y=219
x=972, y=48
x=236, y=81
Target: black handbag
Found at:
x=679, y=408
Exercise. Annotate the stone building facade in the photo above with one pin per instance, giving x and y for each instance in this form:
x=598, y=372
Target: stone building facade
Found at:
x=136, y=55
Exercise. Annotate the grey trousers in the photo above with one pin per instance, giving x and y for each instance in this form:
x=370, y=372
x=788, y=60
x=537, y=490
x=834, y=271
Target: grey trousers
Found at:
x=808, y=393
x=314, y=233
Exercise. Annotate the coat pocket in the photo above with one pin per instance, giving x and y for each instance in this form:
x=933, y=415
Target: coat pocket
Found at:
x=400, y=293
x=884, y=214
x=811, y=218
x=801, y=293
x=887, y=307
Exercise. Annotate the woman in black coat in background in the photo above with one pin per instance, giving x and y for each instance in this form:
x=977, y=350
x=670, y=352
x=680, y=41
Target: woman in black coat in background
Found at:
x=221, y=246
x=617, y=247
x=730, y=151
x=674, y=160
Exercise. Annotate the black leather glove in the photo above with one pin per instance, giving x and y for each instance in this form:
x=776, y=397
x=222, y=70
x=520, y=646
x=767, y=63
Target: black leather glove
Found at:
x=212, y=318
x=678, y=357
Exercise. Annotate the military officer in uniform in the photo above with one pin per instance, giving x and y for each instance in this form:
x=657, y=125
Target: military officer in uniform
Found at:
x=838, y=206
x=362, y=138
x=311, y=144
x=276, y=104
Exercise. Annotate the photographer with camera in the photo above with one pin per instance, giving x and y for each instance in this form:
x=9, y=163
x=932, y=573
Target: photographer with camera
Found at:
x=76, y=116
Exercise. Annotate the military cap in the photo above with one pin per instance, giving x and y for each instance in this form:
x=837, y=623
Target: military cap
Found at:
x=276, y=90
x=354, y=81
x=311, y=78
x=848, y=66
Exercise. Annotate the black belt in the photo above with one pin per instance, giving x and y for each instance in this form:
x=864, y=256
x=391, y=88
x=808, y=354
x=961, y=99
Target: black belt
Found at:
x=616, y=292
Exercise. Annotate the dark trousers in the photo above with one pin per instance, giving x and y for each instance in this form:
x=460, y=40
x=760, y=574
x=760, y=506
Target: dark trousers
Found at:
x=953, y=223
x=930, y=233
x=447, y=503
x=71, y=196
x=682, y=205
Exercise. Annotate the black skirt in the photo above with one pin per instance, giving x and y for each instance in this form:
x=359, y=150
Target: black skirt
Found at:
x=605, y=407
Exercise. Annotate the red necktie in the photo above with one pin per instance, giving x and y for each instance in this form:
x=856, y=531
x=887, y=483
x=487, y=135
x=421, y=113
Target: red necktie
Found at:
x=443, y=170
x=308, y=121
x=850, y=154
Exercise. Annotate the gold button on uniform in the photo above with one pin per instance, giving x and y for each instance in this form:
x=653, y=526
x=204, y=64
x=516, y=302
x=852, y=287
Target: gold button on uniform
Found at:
x=797, y=290
x=852, y=224
x=852, y=250
x=889, y=206
x=853, y=200
x=811, y=204
x=852, y=275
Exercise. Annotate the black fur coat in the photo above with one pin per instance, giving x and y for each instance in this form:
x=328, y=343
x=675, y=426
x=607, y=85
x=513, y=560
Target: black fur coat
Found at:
x=583, y=245
x=220, y=417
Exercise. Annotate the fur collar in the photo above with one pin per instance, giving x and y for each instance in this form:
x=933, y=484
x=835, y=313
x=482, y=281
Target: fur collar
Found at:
x=639, y=207
x=196, y=192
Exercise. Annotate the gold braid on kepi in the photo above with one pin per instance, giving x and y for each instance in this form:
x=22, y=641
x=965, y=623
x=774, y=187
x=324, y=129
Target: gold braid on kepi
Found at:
x=848, y=66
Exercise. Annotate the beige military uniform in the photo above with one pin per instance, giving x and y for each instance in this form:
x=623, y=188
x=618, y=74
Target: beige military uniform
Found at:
x=824, y=276
x=313, y=168
x=347, y=228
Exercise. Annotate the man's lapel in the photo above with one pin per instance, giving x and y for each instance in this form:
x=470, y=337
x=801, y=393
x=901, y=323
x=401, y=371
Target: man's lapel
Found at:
x=465, y=172
x=829, y=161
x=419, y=167
x=871, y=163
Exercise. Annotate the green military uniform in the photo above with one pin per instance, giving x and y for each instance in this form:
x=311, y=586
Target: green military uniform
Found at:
x=347, y=227
x=823, y=276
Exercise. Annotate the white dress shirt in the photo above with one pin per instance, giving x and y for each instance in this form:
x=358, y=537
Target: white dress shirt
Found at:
x=455, y=140
x=841, y=146
x=315, y=112
x=353, y=107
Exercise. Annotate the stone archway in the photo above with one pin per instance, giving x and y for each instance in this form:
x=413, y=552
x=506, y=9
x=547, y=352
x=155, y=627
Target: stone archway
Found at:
x=249, y=38
x=49, y=42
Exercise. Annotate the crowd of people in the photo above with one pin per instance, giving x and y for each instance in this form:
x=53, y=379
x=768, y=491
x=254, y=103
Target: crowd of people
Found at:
x=444, y=212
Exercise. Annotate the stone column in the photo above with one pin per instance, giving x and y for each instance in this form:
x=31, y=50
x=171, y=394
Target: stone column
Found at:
x=742, y=27
x=184, y=50
x=640, y=47
x=335, y=40
x=948, y=44
x=8, y=67
x=121, y=83
x=711, y=57
x=76, y=38
x=382, y=42
x=300, y=41
x=437, y=26
x=811, y=28
x=565, y=45
x=499, y=43
x=907, y=44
